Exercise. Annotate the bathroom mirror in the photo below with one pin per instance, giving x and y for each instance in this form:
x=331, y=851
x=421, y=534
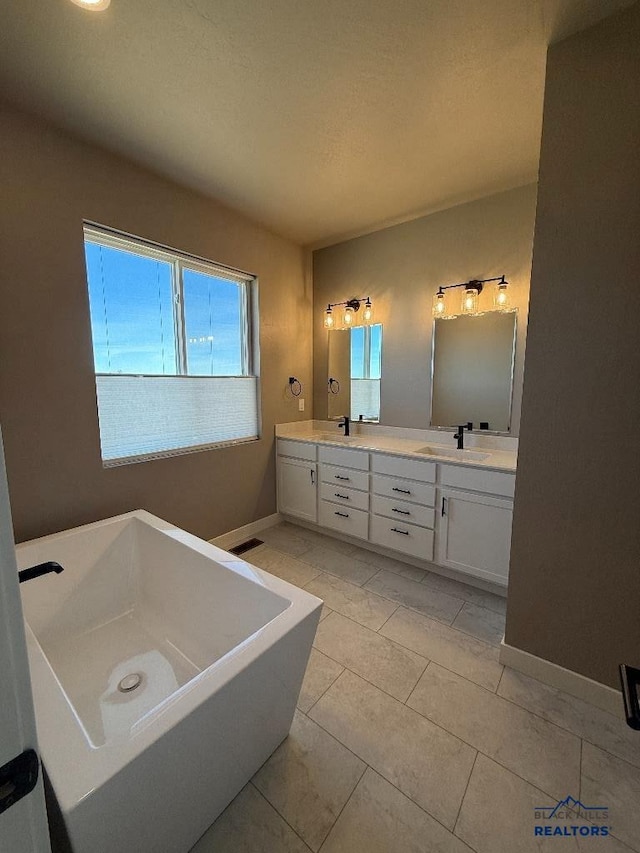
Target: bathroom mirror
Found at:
x=354, y=371
x=472, y=371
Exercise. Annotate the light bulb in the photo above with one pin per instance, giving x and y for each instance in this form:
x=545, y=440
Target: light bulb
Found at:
x=348, y=316
x=439, y=307
x=367, y=315
x=470, y=301
x=328, y=318
x=501, y=298
x=92, y=5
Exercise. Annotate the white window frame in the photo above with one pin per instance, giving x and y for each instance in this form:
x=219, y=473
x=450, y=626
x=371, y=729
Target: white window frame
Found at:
x=180, y=262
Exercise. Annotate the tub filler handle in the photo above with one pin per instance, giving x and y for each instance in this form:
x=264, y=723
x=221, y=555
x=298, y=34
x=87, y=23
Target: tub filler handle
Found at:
x=40, y=569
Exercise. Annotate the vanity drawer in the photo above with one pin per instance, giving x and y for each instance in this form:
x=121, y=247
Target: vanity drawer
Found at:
x=344, y=477
x=405, y=490
x=299, y=449
x=347, y=458
x=341, y=495
x=423, y=516
x=396, y=466
x=400, y=536
x=355, y=522
x=489, y=482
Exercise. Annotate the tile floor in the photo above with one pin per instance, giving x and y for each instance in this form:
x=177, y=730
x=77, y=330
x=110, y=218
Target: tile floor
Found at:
x=410, y=736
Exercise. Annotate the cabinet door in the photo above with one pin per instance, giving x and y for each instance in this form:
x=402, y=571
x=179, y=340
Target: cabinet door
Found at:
x=474, y=534
x=297, y=488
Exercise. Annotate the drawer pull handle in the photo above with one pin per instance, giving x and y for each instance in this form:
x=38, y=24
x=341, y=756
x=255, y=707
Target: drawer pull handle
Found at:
x=401, y=511
x=404, y=532
x=338, y=495
x=442, y=511
x=313, y=477
x=342, y=514
x=338, y=477
x=404, y=491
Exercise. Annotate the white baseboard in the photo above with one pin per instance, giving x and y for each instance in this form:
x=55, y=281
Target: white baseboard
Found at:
x=600, y=695
x=240, y=534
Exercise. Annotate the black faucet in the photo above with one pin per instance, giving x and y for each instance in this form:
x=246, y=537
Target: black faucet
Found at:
x=344, y=423
x=459, y=436
x=40, y=569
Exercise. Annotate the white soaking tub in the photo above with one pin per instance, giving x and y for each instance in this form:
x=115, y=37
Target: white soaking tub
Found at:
x=164, y=671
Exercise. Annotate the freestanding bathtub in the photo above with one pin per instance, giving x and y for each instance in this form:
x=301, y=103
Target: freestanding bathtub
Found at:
x=164, y=671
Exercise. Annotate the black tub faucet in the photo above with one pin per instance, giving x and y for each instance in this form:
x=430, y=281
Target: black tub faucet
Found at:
x=40, y=569
x=344, y=423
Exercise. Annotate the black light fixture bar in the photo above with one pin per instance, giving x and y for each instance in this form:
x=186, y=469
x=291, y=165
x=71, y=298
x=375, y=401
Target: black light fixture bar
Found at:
x=350, y=303
x=475, y=283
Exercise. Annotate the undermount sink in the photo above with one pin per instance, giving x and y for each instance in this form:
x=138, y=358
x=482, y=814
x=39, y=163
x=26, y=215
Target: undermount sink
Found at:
x=336, y=436
x=452, y=452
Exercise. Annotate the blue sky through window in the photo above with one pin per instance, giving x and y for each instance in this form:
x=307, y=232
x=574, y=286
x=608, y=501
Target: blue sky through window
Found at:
x=131, y=299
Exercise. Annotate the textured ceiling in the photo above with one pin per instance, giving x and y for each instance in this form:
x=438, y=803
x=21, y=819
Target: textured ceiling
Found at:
x=318, y=118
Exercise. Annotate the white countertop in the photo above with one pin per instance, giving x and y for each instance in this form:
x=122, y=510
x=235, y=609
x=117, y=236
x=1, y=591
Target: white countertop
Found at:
x=500, y=453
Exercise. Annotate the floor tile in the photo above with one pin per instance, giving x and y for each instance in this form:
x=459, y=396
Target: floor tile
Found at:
x=320, y=675
x=419, y=597
x=325, y=612
x=469, y=593
x=480, y=622
x=452, y=649
x=387, y=665
x=283, y=565
x=498, y=816
x=308, y=779
x=252, y=825
x=598, y=727
x=608, y=781
x=342, y=565
x=314, y=537
x=540, y=752
x=359, y=604
x=382, y=561
x=285, y=537
x=380, y=819
x=426, y=763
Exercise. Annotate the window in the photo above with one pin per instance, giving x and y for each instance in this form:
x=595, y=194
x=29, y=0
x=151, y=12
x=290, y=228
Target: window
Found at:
x=366, y=366
x=173, y=349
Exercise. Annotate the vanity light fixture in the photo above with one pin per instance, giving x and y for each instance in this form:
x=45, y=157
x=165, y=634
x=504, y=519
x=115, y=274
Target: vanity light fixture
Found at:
x=470, y=301
x=328, y=318
x=501, y=299
x=92, y=5
x=350, y=314
x=470, y=298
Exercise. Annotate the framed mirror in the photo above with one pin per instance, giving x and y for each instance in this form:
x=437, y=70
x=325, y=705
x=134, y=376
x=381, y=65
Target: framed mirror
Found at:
x=354, y=372
x=472, y=371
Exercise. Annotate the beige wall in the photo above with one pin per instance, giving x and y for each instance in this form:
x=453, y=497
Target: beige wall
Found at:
x=50, y=182
x=574, y=592
x=402, y=267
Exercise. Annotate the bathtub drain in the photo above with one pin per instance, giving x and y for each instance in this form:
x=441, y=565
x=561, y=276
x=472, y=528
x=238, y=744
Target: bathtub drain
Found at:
x=130, y=682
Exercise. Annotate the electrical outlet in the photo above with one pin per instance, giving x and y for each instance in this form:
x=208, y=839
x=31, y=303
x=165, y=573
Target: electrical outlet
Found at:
x=301, y=405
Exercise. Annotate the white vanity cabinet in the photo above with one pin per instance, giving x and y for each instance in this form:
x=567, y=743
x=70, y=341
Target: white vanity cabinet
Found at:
x=297, y=479
x=344, y=490
x=474, y=528
x=402, y=505
x=456, y=516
